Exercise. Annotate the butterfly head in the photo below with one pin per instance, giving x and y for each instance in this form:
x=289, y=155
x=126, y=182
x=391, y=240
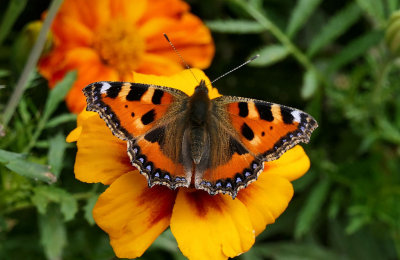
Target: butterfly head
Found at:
x=201, y=88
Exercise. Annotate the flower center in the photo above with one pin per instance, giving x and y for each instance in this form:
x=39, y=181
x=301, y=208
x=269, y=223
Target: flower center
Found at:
x=120, y=46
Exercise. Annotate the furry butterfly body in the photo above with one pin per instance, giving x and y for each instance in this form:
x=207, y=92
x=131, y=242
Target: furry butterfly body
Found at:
x=217, y=145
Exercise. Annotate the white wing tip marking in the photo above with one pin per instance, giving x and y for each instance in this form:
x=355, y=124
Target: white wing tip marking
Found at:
x=105, y=87
x=296, y=115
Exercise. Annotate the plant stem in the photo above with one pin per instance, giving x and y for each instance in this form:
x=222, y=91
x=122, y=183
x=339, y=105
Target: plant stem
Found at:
x=282, y=37
x=30, y=64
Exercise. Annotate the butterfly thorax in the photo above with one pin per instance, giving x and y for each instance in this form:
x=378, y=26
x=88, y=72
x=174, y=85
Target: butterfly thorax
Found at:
x=198, y=116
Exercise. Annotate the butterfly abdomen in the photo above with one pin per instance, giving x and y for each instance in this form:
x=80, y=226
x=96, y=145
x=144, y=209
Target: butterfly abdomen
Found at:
x=198, y=117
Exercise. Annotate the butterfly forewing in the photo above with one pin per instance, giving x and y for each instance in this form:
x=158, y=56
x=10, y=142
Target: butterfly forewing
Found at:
x=143, y=115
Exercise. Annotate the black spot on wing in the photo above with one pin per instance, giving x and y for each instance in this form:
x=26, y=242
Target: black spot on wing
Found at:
x=114, y=90
x=136, y=92
x=287, y=116
x=264, y=110
x=236, y=147
x=243, y=109
x=156, y=135
x=247, y=132
x=148, y=117
x=157, y=95
x=132, y=114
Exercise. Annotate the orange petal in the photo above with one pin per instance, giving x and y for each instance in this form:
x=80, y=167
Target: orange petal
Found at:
x=291, y=165
x=101, y=156
x=133, y=214
x=90, y=69
x=158, y=65
x=210, y=227
x=92, y=13
x=81, y=35
x=129, y=11
x=189, y=35
x=266, y=199
x=165, y=8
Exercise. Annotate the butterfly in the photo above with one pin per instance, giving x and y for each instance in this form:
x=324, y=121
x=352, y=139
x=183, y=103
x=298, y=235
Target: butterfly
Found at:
x=218, y=145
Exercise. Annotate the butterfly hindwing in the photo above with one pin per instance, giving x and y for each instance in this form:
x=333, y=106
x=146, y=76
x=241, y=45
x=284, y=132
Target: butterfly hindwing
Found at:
x=141, y=114
x=263, y=131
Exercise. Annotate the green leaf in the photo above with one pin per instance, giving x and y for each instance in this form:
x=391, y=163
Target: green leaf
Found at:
x=43, y=195
x=374, y=8
x=56, y=153
x=300, y=14
x=61, y=119
x=4, y=73
x=235, y=26
x=17, y=163
x=53, y=234
x=88, y=208
x=58, y=94
x=392, y=6
x=14, y=9
x=269, y=55
x=55, y=98
x=354, y=50
x=285, y=250
x=310, y=84
x=310, y=211
x=335, y=27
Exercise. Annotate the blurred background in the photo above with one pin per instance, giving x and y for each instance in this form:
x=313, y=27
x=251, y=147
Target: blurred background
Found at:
x=335, y=59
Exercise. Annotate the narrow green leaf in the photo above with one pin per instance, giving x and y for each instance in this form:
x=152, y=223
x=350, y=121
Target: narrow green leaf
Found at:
x=14, y=9
x=355, y=49
x=56, y=153
x=310, y=211
x=20, y=165
x=285, y=250
x=61, y=119
x=58, y=94
x=335, y=27
x=235, y=26
x=310, y=84
x=55, y=98
x=88, y=208
x=269, y=55
x=4, y=73
x=392, y=6
x=44, y=195
x=53, y=234
x=374, y=8
x=300, y=14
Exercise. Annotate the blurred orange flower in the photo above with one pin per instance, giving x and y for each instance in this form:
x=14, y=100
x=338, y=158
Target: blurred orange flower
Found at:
x=108, y=39
x=205, y=226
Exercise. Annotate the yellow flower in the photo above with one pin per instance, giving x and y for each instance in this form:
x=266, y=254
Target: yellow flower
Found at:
x=205, y=226
x=108, y=39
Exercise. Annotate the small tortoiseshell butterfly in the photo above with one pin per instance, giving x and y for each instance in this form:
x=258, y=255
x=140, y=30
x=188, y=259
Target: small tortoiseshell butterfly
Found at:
x=217, y=145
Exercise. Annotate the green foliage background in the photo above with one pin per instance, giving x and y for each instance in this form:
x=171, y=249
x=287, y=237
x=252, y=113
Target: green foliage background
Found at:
x=337, y=60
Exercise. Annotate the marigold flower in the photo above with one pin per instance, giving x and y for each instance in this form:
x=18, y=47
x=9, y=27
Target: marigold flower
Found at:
x=108, y=39
x=205, y=226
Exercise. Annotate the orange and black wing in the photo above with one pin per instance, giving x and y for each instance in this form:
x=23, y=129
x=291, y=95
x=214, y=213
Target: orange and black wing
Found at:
x=263, y=132
x=139, y=114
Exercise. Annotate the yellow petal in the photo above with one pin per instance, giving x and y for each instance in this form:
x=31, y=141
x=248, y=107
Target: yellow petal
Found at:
x=210, y=227
x=291, y=165
x=76, y=133
x=133, y=214
x=266, y=199
x=101, y=156
x=185, y=81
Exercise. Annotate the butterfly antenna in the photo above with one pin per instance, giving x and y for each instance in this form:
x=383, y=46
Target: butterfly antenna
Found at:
x=180, y=56
x=238, y=67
